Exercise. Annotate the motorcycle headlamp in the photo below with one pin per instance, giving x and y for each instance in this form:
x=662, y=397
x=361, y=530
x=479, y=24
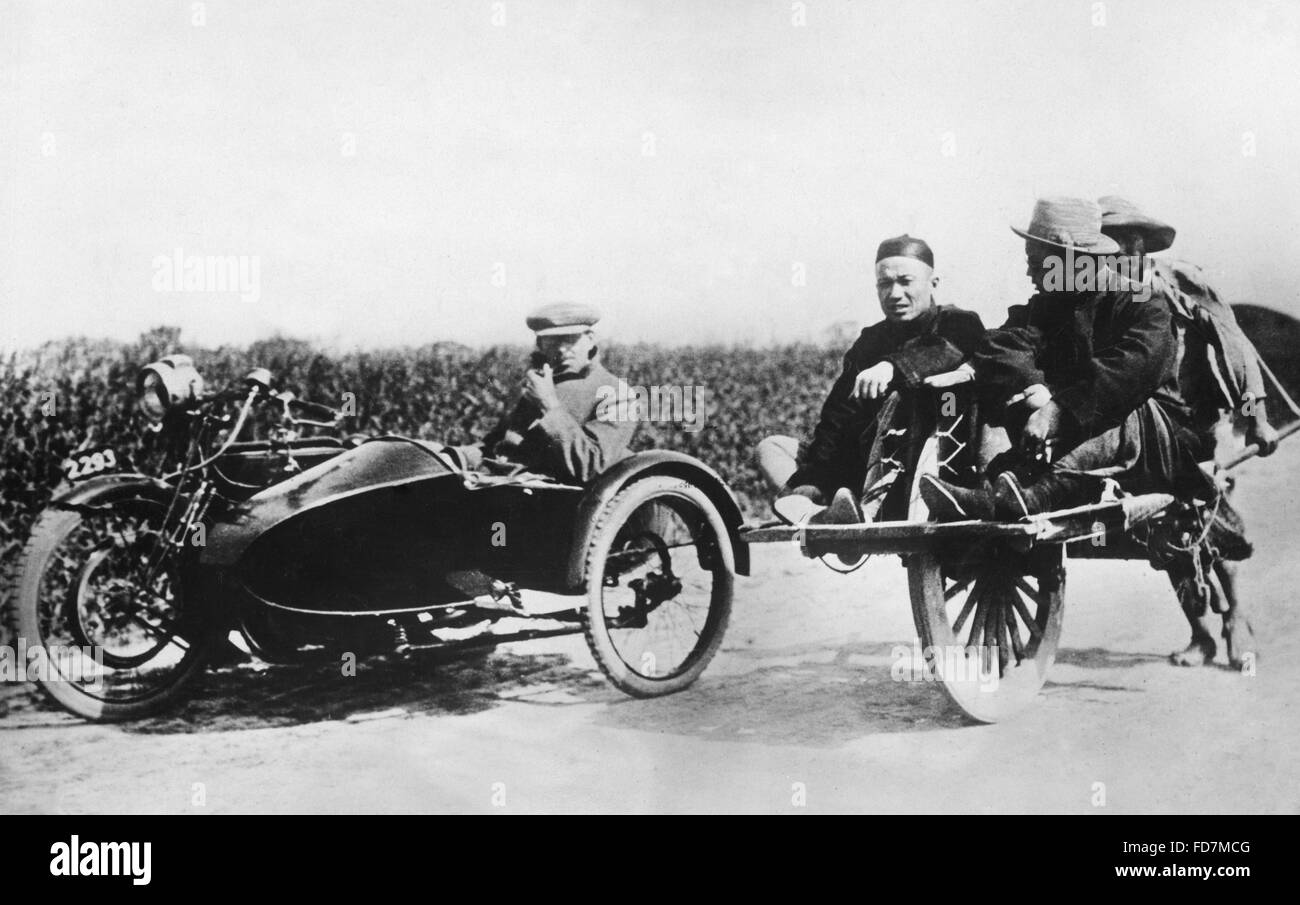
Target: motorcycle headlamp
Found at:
x=167, y=383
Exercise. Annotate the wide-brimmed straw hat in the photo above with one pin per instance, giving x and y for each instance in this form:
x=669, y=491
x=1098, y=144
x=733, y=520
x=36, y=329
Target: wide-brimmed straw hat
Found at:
x=1068, y=223
x=1121, y=215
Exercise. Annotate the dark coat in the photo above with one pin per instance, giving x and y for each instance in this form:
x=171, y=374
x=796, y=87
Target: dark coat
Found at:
x=588, y=433
x=1101, y=354
x=933, y=343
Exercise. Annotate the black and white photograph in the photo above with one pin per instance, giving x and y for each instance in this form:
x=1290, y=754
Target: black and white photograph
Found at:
x=651, y=407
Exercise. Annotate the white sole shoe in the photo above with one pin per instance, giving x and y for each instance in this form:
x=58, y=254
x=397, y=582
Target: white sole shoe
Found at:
x=795, y=508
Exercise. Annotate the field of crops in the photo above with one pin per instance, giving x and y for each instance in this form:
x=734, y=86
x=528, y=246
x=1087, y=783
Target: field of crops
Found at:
x=76, y=392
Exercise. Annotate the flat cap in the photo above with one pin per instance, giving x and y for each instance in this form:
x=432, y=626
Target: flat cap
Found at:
x=562, y=317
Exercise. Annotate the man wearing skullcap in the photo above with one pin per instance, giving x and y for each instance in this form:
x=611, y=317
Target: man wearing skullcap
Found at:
x=917, y=339
x=569, y=421
x=1220, y=377
x=1083, y=377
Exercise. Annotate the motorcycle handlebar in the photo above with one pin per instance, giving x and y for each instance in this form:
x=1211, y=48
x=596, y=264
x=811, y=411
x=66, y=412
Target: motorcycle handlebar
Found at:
x=314, y=409
x=252, y=392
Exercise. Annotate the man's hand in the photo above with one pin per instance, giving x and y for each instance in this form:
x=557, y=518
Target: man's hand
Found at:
x=540, y=388
x=1042, y=426
x=874, y=381
x=1263, y=435
x=1034, y=397
x=963, y=373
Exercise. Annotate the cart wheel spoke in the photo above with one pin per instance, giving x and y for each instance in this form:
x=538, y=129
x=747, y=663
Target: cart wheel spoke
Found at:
x=1030, y=622
x=971, y=600
x=1013, y=632
x=977, y=624
x=992, y=627
x=956, y=588
x=1028, y=590
x=1004, y=637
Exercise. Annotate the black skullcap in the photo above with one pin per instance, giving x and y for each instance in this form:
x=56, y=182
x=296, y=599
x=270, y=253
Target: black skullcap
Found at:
x=905, y=246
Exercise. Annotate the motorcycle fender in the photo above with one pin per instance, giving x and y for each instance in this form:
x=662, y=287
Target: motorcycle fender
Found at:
x=639, y=465
x=112, y=488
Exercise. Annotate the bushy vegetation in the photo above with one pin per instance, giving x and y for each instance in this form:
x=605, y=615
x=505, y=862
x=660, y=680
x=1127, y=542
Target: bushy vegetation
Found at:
x=79, y=392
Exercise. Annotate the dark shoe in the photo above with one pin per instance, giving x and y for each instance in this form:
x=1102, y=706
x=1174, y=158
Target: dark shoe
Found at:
x=1015, y=500
x=950, y=503
x=1011, y=501
x=843, y=510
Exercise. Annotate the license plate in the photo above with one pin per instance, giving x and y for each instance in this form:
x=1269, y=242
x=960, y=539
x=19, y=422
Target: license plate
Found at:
x=87, y=463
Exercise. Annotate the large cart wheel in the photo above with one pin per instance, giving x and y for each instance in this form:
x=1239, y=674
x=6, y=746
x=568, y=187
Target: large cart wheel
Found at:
x=988, y=613
x=95, y=599
x=660, y=574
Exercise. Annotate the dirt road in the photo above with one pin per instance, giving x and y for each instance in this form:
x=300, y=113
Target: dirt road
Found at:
x=797, y=713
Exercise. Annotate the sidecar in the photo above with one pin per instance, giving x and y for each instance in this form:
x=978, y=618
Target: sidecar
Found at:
x=393, y=534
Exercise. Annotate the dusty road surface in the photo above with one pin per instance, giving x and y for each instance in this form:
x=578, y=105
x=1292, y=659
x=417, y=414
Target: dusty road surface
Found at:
x=798, y=713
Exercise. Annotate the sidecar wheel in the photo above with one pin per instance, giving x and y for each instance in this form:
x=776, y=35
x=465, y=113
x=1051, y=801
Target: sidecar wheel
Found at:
x=988, y=615
x=660, y=577
x=75, y=589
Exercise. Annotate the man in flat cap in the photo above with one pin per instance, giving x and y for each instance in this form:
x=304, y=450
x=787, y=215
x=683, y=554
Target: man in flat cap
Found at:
x=1084, y=371
x=561, y=425
x=1220, y=376
x=917, y=339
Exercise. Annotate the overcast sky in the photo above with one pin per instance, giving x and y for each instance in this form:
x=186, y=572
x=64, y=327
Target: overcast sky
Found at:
x=409, y=172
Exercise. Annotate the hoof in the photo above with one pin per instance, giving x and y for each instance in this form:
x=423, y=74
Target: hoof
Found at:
x=1198, y=653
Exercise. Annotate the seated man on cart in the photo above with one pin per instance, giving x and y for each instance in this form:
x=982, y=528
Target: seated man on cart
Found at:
x=561, y=425
x=917, y=339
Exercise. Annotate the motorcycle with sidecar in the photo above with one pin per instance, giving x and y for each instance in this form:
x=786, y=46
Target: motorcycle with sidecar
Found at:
x=130, y=582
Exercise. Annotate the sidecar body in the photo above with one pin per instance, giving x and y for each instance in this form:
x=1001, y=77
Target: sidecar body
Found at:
x=380, y=529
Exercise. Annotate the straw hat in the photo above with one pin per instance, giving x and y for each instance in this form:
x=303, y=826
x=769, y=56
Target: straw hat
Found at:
x=1069, y=223
x=1119, y=214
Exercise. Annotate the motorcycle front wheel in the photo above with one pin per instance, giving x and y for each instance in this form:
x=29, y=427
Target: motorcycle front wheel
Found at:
x=102, y=622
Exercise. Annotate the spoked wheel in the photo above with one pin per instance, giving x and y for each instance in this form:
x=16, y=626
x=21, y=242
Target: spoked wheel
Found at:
x=989, y=625
x=988, y=615
x=660, y=579
x=103, y=608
